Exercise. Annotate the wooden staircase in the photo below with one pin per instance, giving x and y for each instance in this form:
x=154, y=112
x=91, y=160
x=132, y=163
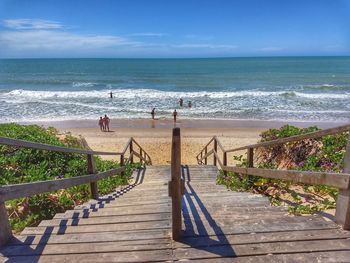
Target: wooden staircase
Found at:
x=133, y=224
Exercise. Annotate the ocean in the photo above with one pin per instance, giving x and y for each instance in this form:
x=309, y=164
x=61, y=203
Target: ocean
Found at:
x=274, y=88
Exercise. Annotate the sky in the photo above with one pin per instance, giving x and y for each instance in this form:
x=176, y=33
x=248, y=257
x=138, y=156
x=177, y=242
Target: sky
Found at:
x=173, y=29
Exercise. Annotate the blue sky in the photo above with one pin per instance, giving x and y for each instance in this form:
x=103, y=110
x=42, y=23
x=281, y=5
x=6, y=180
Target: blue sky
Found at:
x=164, y=28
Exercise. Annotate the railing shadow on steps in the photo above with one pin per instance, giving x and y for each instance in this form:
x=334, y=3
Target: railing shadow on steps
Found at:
x=218, y=243
x=8, y=192
x=337, y=180
x=184, y=200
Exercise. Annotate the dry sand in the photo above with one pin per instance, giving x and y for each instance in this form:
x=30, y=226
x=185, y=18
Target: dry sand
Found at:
x=157, y=142
x=155, y=135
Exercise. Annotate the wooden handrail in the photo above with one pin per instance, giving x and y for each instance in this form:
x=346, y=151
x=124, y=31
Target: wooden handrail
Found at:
x=338, y=180
x=212, y=139
x=48, y=147
x=142, y=150
x=208, y=154
x=176, y=185
x=311, y=135
x=127, y=145
x=220, y=145
x=8, y=192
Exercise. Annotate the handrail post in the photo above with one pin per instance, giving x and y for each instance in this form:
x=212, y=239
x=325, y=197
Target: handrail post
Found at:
x=205, y=153
x=92, y=170
x=131, y=152
x=122, y=163
x=176, y=184
x=5, y=227
x=250, y=157
x=216, y=150
x=225, y=162
x=342, y=212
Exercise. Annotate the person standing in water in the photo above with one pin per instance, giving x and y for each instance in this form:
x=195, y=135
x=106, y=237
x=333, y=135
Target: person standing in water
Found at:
x=106, y=121
x=111, y=95
x=190, y=104
x=153, y=112
x=181, y=102
x=175, y=115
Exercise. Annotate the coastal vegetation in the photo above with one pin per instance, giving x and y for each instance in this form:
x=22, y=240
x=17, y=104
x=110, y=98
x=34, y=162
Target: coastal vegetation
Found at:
x=22, y=165
x=324, y=154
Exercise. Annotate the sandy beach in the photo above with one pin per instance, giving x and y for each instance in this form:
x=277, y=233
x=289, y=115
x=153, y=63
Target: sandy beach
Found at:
x=157, y=142
x=155, y=136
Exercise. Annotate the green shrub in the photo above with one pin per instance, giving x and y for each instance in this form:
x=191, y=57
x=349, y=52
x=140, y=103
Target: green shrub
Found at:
x=322, y=154
x=23, y=165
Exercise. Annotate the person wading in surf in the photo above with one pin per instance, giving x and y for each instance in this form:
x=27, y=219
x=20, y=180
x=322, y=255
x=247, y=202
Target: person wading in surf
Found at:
x=153, y=112
x=174, y=115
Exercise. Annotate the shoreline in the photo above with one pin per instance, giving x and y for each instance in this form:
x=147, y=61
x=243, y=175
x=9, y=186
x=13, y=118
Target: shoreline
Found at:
x=141, y=123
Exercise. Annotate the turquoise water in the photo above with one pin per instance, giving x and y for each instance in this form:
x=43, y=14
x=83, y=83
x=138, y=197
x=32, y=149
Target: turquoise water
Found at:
x=288, y=88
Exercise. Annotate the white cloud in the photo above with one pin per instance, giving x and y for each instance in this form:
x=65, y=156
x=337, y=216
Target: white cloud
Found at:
x=44, y=38
x=24, y=24
x=57, y=40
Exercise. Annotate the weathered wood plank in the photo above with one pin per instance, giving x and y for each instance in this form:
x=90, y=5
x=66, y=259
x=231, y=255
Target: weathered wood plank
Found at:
x=115, y=203
x=343, y=201
x=263, y=237
x=259, y=226
x=112, y=212
x=144, y=235
x=92, y=170
x=338, y=180
x=8, y=192
x=175, y=184
x=86, y=248
x=263, y=249
x=132, y=256
x=319, y=257
x=60, y=230
x=5, y=228
x=48, y=147
x=106, y=220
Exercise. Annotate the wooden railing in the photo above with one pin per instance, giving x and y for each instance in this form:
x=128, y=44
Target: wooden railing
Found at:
x=8, y=192
x=176, y=185
x=337, y=180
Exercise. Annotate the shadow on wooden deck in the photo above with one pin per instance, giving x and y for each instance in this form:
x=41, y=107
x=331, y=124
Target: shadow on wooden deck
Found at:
x=192, y=204
x=27, y=248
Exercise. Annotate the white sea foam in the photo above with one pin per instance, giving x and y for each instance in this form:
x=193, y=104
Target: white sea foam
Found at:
x=83, y=84
x=22, y=104
x=156, y=94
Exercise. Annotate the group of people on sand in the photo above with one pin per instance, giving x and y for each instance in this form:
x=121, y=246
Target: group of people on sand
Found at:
x=103, y=122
